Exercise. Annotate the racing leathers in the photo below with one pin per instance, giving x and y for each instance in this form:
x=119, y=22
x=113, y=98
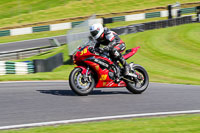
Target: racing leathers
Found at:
x=114, y=45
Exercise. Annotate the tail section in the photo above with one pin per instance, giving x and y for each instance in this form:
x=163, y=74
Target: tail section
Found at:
x=130, y=52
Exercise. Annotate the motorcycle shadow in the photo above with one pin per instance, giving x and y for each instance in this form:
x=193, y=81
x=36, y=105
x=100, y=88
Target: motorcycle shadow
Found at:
x=71, y=93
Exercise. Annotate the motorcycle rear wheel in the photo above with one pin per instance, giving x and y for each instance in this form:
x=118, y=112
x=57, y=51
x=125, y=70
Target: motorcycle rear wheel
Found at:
x=77, y=83
x=139, y=84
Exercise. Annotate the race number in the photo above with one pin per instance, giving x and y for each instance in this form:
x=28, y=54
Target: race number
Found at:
x=84, y=51
x=103, y=77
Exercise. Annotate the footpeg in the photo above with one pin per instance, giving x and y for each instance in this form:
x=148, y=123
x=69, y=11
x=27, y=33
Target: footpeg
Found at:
x=117, y=80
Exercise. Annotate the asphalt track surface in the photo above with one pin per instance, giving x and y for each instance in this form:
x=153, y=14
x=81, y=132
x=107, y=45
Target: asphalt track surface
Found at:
x=33, y=102
x=33, y=43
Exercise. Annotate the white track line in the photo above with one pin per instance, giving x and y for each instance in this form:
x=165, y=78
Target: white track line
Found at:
x=96, y=119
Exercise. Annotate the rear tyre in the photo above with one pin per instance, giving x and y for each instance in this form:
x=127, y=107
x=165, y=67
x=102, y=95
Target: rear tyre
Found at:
x=140, y=83
x=77, y=83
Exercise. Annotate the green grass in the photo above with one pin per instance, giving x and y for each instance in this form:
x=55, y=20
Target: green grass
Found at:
x=168, y=124
x=18, y=12
x=170, y=55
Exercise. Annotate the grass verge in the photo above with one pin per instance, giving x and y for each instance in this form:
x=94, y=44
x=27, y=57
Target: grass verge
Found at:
x=15, y=13
x=170, y=55
x=167, y=124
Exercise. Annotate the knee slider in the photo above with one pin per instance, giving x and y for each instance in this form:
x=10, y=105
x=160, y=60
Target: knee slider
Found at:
x=115, y=53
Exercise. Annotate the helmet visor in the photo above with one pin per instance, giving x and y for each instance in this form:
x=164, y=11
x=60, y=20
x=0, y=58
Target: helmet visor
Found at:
x=94, y=33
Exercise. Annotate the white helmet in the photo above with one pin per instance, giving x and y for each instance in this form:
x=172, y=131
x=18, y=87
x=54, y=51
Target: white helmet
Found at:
x=96, y=30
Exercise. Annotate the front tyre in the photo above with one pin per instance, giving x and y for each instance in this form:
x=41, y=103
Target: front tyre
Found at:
x=78, y=84
x=140, y=83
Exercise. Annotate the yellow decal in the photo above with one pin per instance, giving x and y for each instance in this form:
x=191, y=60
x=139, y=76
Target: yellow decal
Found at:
x=104, y=83
x=97, y=68
x=84, y=51
x=103, y=77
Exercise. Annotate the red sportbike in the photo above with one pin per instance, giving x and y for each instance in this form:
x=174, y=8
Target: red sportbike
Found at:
x=97, y=70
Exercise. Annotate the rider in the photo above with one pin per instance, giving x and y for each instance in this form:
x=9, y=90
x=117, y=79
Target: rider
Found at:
x=113, y=44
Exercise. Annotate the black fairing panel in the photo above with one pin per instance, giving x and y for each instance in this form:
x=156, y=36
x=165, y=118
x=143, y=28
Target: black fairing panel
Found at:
x=103, y=63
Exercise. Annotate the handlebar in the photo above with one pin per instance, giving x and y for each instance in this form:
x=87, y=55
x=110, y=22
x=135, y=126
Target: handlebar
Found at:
x=100, y=51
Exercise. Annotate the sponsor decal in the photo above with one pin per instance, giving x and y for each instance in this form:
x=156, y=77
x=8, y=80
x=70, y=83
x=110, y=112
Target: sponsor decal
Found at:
x=123, y=48
x=97, y=68
x=104, y=83
x=101, y=63
x=110, y=84
x=116, y=53
x=121, y=84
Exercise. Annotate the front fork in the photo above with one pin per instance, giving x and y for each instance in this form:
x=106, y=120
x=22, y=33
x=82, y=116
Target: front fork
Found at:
x=86, y=73
x=86, y=76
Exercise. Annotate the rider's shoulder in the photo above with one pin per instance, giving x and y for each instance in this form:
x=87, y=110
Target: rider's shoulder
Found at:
x=108, y=33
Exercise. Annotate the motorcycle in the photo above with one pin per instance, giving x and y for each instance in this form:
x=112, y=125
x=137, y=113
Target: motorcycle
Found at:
x=96, y=70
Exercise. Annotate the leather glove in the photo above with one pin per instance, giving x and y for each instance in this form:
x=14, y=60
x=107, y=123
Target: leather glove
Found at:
x=99, y=50
x=106, y=48
x=91, y=49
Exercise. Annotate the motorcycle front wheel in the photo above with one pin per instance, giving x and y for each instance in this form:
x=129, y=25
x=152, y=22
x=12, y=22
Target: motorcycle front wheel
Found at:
x=78, y=84
x=140, y=83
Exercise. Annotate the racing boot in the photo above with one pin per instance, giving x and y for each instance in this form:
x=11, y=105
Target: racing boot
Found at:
x=125, y=65
x=117, y=74
x=117, y=79
x=126, y=69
